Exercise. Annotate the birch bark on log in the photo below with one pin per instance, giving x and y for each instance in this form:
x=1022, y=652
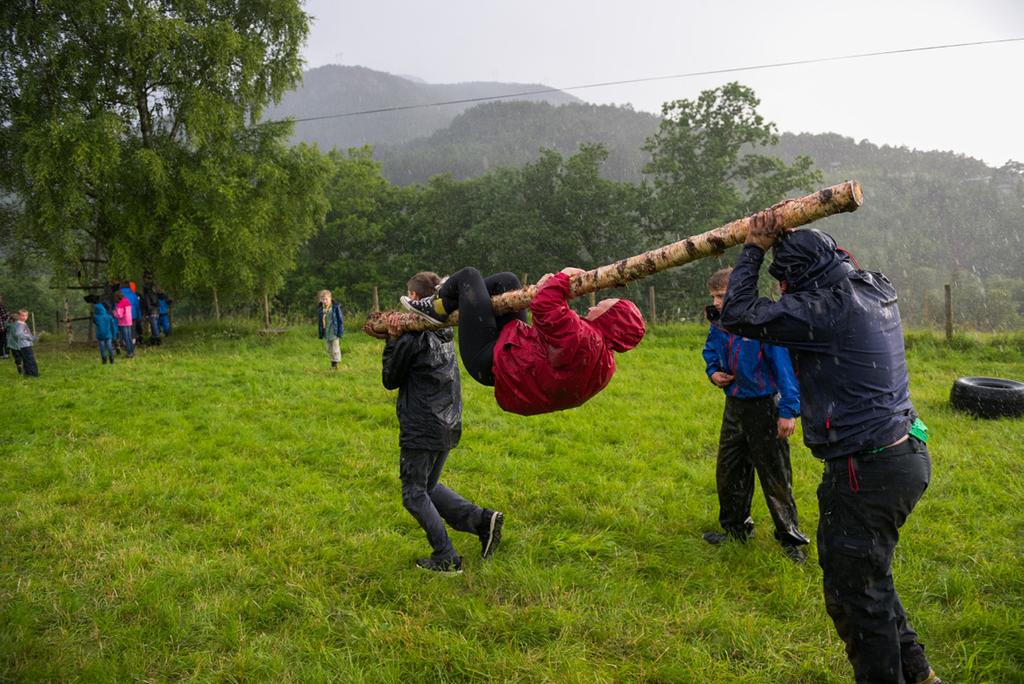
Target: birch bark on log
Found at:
x=788, y=214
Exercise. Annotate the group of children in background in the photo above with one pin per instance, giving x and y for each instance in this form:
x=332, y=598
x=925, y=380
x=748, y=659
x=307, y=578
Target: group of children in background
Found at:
x=119, y=314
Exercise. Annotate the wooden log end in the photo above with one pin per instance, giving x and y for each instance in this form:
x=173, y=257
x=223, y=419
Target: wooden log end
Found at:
x=857, y=193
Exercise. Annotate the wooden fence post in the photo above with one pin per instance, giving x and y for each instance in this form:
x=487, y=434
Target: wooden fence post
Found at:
x=653, y=315
x=216, y=305
x=949, y=313
x=375, y=305
x=67, y=320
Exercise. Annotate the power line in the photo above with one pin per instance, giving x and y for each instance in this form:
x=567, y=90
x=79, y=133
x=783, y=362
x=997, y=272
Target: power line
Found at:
x=691, y=74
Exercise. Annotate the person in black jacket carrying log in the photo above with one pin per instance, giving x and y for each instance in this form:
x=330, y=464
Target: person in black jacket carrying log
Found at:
x=842, y=328
x=422, y=366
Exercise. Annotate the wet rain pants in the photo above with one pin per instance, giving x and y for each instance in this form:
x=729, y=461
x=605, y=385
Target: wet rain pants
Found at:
x=749, y=444
x=863, y=501
x=433, y=504
x=470, y=294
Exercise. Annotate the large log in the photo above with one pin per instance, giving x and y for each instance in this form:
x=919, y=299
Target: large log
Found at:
x=788, y=214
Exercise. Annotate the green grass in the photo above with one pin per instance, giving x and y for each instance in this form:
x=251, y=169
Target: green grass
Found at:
x=225, y=508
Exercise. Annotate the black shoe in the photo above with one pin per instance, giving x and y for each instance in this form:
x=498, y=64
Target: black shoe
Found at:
x=111, y=360
x=103, y=359
x=334, y=365
x=916, y=669
x=425, y=308
x=716, y=538
x=448, y=567
x=794, y=553
x=490, y=537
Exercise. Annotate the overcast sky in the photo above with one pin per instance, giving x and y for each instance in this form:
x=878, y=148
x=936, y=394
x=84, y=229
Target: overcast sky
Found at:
x=969, y=100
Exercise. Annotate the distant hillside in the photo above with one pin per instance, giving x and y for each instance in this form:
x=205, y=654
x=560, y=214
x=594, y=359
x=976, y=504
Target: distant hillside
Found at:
x=512, y=134
x=923, y=210
x=334, y=89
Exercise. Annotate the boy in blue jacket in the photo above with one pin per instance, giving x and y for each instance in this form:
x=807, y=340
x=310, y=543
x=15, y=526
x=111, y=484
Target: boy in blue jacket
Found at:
x=106, y=329
x=755, y=428
x=330, y=325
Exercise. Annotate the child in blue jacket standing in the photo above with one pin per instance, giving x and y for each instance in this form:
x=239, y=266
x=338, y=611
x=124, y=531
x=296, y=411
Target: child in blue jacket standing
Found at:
x=330, y=325
x=106, y=330
x=762, y=402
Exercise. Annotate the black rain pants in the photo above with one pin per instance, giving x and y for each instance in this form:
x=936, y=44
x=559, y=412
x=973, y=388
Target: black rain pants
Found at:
x=749, y=444
x=469, y=293
x=863, y=501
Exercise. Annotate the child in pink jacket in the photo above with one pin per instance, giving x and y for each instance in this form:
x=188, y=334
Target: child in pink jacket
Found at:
x=123, y=314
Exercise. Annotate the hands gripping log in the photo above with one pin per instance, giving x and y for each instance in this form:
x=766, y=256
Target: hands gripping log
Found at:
x=786, y=215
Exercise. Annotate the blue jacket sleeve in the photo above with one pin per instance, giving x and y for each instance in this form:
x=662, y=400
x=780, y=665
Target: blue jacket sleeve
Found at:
x=710, y=353
x=339, y=321
x=785, y=380
x=800, y=320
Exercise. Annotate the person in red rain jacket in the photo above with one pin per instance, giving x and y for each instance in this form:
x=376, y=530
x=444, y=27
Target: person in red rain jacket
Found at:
x=558, y=363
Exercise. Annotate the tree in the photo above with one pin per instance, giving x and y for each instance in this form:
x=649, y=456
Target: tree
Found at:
x=706, y=169
x=128, y=129
x=364, y=242
x=553, y=212
x=704, y=161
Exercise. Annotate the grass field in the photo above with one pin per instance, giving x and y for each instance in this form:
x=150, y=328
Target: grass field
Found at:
x=225, y=508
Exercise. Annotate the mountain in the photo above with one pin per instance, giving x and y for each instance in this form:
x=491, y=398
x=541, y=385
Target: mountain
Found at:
x=512, y=134
x=334, y=89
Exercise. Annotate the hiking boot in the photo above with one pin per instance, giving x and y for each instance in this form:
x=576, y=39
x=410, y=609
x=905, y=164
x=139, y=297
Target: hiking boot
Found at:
x=794, y=553
x=426, y=308
x=452, y=566
x=716, y=538
x=490, y=536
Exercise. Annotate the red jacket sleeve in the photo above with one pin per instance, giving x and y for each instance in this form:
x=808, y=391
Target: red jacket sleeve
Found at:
x=554, y=320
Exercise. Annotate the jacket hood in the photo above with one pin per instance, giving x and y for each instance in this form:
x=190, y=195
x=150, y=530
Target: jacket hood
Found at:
x=99, y=311
x=621, y=326
x=808, y=259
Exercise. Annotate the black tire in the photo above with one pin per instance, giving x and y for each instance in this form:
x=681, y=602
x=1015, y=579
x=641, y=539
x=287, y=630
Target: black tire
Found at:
x=988, y=397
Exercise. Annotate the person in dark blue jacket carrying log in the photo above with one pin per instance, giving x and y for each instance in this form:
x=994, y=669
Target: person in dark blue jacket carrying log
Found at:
x=842, y=327
x=762, y=403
